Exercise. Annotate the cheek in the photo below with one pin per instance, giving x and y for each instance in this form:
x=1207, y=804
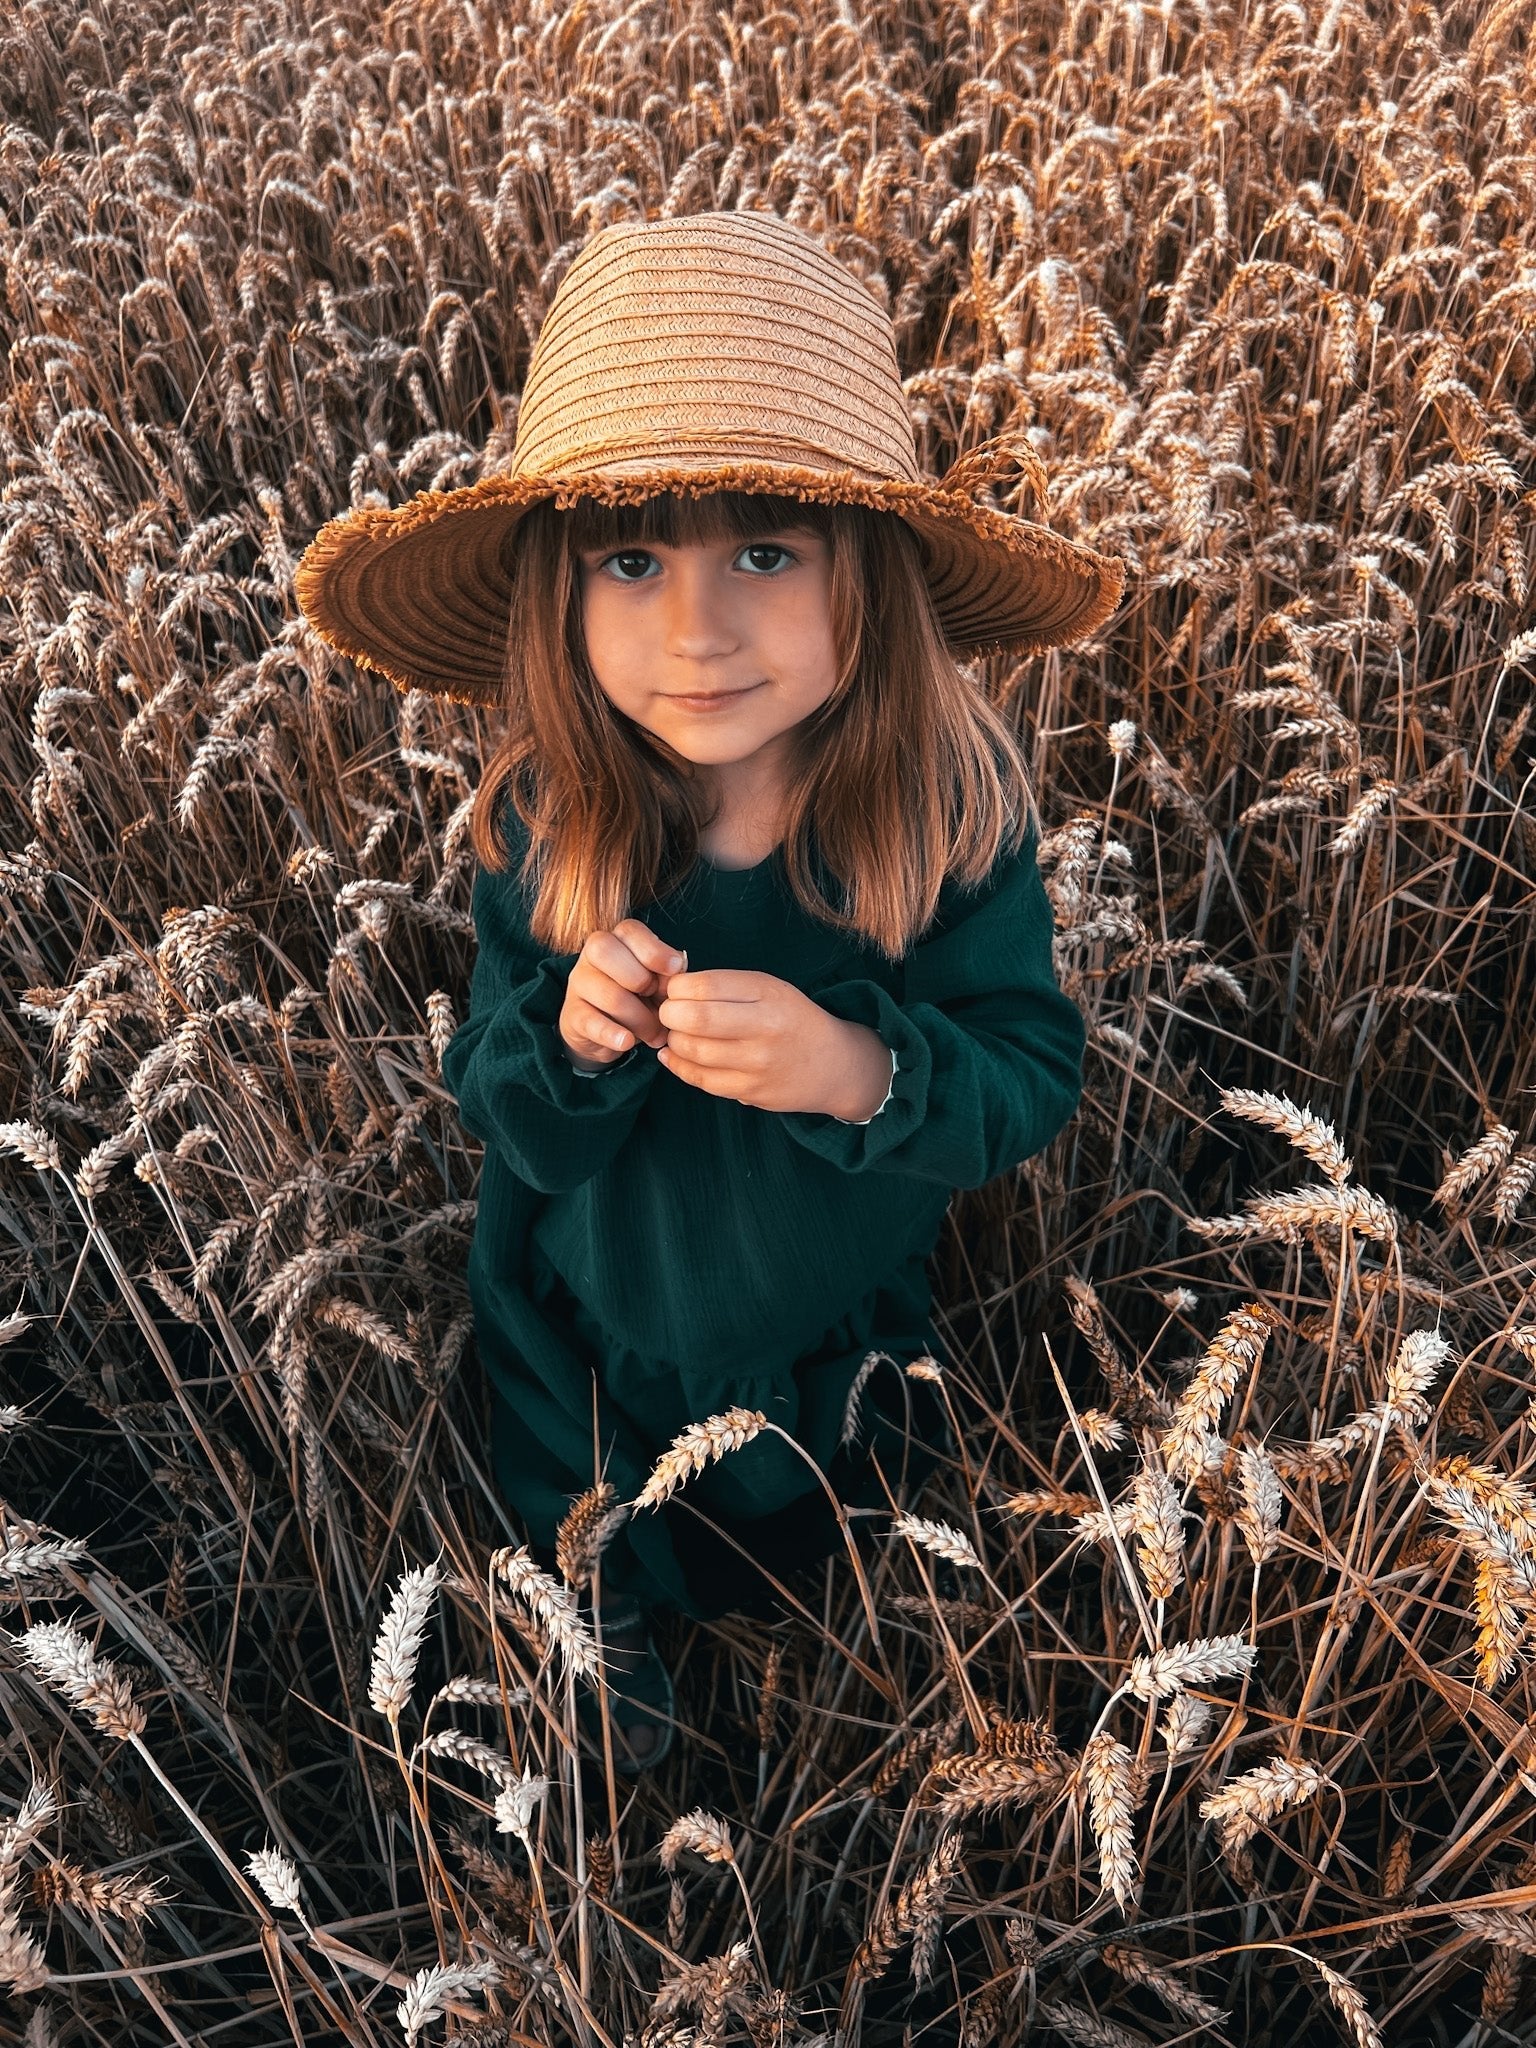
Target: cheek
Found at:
x=821, y=623
x=809, y=643
x=611, y=644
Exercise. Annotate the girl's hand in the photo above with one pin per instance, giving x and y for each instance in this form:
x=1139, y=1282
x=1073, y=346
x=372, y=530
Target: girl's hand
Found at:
x=606, y=1007
x=764, y=1042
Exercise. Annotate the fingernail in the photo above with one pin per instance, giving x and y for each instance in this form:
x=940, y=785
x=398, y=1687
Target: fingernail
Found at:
x=674, y=961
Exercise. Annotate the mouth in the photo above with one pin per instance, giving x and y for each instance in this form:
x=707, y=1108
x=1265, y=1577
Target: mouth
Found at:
x=713, y=700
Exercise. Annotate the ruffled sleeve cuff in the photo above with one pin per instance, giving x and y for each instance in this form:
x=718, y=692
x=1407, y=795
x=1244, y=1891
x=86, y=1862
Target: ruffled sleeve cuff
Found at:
x=852, y=1145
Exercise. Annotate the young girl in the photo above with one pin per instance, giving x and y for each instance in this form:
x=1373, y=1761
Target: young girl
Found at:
x=764, y=958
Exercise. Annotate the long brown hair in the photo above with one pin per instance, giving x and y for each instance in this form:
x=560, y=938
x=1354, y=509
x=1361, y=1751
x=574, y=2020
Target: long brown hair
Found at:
x=906, y=774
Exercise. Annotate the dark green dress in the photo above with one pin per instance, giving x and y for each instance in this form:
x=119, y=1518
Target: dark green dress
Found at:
x=647, y=1254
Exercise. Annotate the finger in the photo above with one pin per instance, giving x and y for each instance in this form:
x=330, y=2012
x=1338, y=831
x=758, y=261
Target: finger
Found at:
x=652, y=952
x=591, y=984
x=613, y=1027
x=719, y=984
x=712, y=1080
x=715, y=1053
x=614, y=957
x=710, y=1020
x=631, y=1013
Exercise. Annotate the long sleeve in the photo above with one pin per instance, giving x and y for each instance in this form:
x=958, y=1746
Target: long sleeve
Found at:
x=505, y=1064
x=989, y=1051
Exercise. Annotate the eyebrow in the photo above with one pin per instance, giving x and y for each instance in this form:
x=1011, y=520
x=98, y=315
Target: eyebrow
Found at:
x=753, y=534
x=783, y=526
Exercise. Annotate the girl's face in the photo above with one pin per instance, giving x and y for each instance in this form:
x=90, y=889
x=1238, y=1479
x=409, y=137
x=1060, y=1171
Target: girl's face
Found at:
x=720, y=648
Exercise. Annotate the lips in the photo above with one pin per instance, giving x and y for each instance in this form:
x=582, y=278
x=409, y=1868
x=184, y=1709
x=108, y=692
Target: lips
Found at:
x=708, y=700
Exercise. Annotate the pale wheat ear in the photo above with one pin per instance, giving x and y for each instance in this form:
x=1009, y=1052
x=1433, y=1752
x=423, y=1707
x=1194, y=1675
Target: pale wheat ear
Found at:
x=700, y=1444
x=438, y=1989
x=61, y=1656
x=275, y=1873
x=552, y=1604
x=1186, y=1724
x=942, y=1538
x=1163, y=1673
x=399, y=1640
x=701, y=1834
x=1308, y=1133
x=1242, y=1806
x=1107, y=1774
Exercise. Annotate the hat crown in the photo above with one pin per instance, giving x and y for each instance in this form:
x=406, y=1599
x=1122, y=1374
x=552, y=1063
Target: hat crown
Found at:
x=710, y=339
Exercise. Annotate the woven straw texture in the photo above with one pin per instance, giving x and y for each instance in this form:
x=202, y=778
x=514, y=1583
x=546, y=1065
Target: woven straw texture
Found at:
x=716, y=351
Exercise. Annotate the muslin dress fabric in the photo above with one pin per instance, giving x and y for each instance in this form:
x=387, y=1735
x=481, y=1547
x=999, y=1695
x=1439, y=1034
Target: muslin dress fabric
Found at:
x=647, y=1254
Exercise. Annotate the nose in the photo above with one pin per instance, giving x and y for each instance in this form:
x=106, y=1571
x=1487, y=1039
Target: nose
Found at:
x=698, y=621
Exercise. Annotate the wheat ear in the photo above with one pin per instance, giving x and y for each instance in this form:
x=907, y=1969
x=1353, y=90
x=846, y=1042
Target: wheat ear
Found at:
x=700, y=1444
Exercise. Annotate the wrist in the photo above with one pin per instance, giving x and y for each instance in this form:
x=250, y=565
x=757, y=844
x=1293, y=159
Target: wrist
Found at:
x=867, y=1082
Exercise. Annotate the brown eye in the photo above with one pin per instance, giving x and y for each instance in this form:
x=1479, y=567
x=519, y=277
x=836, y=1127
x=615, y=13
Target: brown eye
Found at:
x=629, y=557
x=767, y=547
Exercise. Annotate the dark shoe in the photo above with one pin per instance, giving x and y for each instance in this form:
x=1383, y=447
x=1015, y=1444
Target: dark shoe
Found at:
x=642, y=1706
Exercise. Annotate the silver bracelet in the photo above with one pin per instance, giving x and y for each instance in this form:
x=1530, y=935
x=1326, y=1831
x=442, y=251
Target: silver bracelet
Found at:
x=890, y=1091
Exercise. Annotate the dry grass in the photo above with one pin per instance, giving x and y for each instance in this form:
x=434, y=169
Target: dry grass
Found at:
x=1230, y=1735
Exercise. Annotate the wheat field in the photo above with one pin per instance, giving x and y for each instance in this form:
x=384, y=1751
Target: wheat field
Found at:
x=1229, y=1734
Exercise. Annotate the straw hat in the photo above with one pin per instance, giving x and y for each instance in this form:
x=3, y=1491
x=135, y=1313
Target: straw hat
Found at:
x=716, y=351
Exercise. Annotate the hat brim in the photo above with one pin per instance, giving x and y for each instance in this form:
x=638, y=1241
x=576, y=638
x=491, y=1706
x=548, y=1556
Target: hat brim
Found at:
x=420, y=591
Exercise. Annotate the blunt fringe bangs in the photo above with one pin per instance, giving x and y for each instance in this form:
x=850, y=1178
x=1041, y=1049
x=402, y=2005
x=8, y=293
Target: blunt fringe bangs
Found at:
x=908, y=776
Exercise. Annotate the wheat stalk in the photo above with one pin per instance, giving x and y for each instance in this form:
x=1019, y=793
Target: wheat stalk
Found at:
x=61, y=1656
x=1263, y=1503
x=469, y=1749
x=1158, y=1524
x=1299, y=1127
x=1185, y=1724
x=916, y=1910
x=1357, y=2015
x=1240, y=1807
x=278, y=1879
x=1108, y=1772
x=398, y=1643
x=1235, y=1351
x=480, y=1692
x=1017, y=1760
x=940, y=1537
x=1501, y=1985
x=584, y=1531
x=553, y=1606
x=1489, y=1155
x=1290, y=1217
x=22, y=1964
x=1501, y=1926
x=700, y=1444
x=38, y=1806
x=699, y=1832
x=1161, y=1673
x=430, y=1992
x=517, y=1800
x=1137, y=1967
x=124, y=1898
x=1076, y=2024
